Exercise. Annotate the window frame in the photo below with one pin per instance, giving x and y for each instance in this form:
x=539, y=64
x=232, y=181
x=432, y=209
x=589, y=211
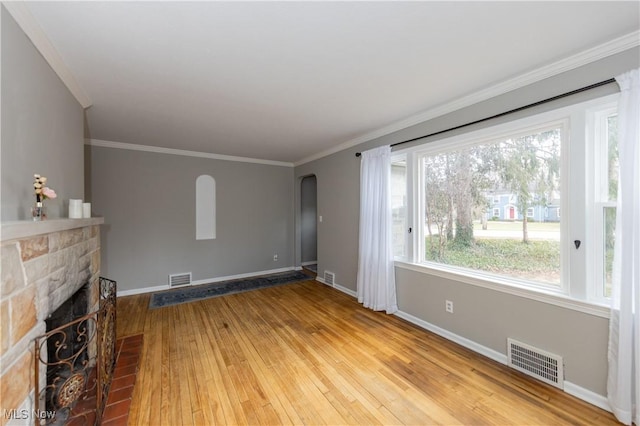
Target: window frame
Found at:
x=396, y=158
x=576, y=207
x=517, y=128
x=598, y=200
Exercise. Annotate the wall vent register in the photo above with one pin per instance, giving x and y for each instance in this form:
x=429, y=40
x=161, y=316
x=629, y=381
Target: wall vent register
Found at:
x=176, y=280
x=536, y=363
x=329, y=278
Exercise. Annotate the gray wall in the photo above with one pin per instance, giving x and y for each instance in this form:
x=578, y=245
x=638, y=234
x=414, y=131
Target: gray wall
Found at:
x=42, y=129
x=309, y=219
x=148, y=202
x=338, y=186
x=484, y=316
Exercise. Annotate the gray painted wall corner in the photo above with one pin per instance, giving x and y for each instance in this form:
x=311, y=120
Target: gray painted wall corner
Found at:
x=42, y=129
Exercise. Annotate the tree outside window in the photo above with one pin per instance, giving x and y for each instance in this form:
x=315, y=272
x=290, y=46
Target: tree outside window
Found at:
x=462, y=223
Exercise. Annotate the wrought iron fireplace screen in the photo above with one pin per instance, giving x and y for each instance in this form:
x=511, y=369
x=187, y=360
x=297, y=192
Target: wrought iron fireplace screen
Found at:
x=79, y=358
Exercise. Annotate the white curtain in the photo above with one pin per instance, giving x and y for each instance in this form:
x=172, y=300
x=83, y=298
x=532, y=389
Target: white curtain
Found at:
x=623, y=383
x=376, y=275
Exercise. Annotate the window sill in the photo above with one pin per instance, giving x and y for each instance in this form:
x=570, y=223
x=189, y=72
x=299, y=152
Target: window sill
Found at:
x=513, y=288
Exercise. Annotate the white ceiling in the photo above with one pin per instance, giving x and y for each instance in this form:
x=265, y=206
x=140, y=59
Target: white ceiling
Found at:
x=288, y=80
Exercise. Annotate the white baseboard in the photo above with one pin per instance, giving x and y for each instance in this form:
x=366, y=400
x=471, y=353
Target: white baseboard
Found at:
x=154, y=289
x=345, y=290
x=311, y=262
x=463, y=341
x=321, y=280
x=143, y=290
x=572, y=389
x=587, y=396
x=338, y=287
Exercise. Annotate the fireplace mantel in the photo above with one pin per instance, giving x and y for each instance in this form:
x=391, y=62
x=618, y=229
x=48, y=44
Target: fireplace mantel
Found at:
x=19, y=229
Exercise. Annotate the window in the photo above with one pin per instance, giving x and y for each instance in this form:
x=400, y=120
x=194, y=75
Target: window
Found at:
x=605, y=190
x=455, y=184
x=399, y=206
x=485, y=206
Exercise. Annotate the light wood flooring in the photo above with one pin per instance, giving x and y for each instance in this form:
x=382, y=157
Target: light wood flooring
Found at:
x=308, y=354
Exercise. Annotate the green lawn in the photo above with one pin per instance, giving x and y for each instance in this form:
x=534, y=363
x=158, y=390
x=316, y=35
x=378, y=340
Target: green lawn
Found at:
x=537, y=260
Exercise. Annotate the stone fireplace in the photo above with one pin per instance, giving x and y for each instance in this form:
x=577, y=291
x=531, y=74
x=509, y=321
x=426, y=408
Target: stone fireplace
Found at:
x=43, y=265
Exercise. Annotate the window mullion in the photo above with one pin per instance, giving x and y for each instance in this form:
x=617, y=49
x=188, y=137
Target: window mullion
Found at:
x=418, y=209
x=410, y=207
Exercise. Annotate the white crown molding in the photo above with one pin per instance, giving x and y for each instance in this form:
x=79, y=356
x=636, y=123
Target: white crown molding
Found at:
x=22, y=15
x=172, y=151
x=588, y=56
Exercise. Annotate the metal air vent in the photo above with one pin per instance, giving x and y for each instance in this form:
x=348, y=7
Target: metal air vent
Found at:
x=536, y=363
x=329, y=278
x=176, y=280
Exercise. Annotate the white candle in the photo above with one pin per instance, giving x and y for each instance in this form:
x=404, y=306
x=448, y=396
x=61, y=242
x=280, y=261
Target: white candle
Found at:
x=86, y=210
x=75, y=209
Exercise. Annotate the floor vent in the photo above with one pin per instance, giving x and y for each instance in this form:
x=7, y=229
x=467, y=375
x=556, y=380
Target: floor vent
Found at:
x=176, y=280
x=536, y=363
x=329, y=278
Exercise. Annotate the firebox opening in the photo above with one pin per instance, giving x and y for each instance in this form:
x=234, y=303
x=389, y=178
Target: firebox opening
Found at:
x=67, y=349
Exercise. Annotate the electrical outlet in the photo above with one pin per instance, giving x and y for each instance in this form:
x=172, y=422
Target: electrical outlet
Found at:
x=275, y=257
x=448, y=306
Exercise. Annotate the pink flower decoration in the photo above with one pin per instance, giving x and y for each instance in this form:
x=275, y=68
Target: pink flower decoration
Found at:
x=49, y=193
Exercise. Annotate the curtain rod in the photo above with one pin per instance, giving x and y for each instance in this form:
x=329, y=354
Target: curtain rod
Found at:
x=502, y=114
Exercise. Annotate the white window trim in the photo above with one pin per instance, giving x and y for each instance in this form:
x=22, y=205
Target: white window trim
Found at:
x=510, y=287
x=598, y=198
x=579, y=299
x=514, y=129
x=408, y=245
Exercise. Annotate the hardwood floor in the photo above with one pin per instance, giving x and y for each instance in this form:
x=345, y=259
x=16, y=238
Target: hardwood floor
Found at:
x=308, y=354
